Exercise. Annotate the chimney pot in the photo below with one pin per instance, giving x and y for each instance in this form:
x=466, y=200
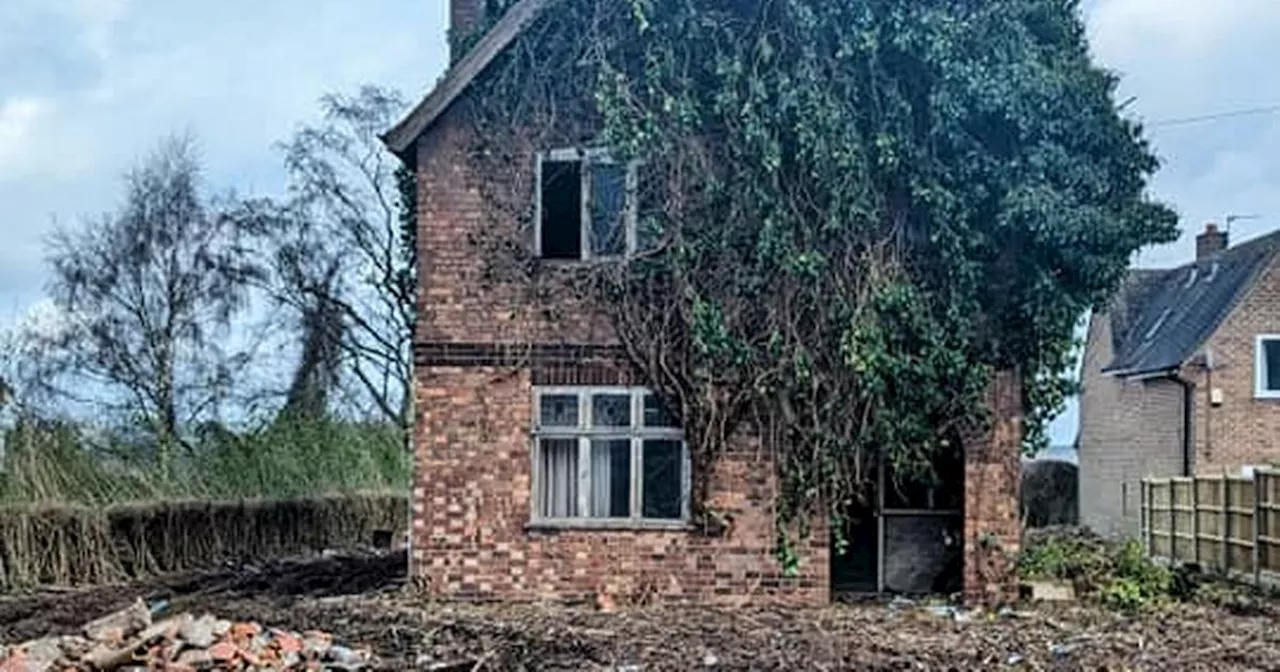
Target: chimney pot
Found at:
x=464, y=16
x=1211, y=242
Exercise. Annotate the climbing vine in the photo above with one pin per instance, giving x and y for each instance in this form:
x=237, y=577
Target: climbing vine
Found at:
x=856, y=210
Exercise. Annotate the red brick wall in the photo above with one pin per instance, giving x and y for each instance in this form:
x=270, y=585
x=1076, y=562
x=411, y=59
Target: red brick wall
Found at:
x=992, y=471
x=460, y=300
x=1244, y=429
x=471, y=505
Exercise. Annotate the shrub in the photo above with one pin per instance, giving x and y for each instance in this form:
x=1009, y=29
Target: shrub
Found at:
x=1119, y=575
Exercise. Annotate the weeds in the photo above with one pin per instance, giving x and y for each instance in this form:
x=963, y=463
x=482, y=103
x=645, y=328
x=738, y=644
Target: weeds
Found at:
x=60, y=463
x=1119, y=575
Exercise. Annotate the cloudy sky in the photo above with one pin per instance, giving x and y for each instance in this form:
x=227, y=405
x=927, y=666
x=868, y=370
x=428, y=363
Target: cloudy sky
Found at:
x=87, y=86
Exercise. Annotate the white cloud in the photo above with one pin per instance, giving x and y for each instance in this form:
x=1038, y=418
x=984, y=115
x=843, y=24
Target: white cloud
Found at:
x=98, y=20
x=1190, y=29
x=18, y=119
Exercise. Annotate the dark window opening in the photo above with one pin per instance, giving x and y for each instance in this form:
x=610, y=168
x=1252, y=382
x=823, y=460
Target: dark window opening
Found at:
x=561, y=193
x=1271, y=357
x=663, y=479
x=857, y=568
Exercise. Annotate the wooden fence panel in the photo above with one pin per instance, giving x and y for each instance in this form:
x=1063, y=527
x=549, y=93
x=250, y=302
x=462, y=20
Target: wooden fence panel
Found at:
x=1223, y=523
x=1182, y=512
x=1159, y=518
x=1211, y=531
x=1240, y=526
x=1268, y=533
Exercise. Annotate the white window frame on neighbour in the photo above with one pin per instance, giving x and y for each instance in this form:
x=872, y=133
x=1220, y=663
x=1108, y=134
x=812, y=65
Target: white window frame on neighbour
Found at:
x=584, y=433
x=1260, y=390
x=587, y=157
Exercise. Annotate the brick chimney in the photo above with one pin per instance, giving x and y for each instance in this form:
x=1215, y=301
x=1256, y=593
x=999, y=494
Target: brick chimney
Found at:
x=464, y=16
x=1211, y=242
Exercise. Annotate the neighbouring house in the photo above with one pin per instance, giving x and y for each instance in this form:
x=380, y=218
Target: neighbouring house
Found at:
x=543, y=467
x=1181, y=377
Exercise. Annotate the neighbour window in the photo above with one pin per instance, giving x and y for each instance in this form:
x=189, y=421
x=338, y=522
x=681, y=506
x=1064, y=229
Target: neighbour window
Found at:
x=586, y=205
x=1267, y=367
x=607, y=454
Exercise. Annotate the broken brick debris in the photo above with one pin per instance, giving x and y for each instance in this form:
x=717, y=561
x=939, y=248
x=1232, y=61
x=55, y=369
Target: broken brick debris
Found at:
x=130, y=639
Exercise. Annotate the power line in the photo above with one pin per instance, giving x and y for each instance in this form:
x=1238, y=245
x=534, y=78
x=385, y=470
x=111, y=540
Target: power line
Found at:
x=1270, y=109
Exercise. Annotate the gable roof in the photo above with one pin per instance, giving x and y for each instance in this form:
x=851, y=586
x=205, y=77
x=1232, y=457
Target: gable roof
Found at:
x=1161, y=317
x=402, y=136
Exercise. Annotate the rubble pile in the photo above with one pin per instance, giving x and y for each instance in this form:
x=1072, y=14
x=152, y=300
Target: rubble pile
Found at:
x=131, y=639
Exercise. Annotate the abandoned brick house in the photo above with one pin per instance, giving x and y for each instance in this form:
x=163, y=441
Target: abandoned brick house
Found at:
x=1181, y=377
x=545, y=470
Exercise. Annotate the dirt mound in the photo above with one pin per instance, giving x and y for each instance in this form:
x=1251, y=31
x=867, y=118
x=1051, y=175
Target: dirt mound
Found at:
x=273, y=586
x=407, y=633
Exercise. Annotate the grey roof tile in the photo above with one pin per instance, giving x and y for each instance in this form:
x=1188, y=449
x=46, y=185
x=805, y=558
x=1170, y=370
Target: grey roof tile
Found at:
x=1161, y=317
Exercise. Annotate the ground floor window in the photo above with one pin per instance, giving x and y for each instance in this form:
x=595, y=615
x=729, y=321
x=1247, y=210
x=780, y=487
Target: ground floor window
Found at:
x=607, y=454
x=1267, y=368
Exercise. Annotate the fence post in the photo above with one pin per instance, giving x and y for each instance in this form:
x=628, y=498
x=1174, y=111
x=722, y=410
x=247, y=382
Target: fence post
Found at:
x=1195, y=519
x=1226, y=524
x=1144, y=516
x=1259, y=478
x=1173, y=523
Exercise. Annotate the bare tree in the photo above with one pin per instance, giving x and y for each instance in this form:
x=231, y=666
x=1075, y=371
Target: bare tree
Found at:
x=149, y=291
x=343, y=254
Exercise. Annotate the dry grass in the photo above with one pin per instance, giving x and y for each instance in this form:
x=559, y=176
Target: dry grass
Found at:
x=60, y=463
x=78, y=545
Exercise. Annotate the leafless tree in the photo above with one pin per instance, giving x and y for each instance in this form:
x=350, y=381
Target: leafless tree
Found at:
x=147, y=293
x=342, y=248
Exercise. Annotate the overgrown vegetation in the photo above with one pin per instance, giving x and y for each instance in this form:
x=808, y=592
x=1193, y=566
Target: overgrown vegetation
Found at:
x=851, y=213
x=51, y=462
x=79, y=545
x=1119, y=575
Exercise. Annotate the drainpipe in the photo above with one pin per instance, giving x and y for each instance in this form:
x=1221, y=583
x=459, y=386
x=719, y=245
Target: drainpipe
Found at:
x=1188, y=400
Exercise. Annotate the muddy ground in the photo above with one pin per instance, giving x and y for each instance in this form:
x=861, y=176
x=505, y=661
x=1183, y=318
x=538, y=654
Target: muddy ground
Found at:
x=361, y=600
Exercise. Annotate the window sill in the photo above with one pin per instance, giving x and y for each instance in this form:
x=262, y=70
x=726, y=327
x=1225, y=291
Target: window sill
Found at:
x=569, y=264
x=609, y=524
x=1267, y=395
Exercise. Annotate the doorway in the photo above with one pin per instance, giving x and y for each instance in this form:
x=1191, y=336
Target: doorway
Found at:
x=857, y=570
x=906, y=538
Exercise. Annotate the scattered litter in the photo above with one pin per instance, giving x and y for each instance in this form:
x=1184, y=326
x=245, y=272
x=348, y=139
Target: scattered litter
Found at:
x=900, y=602
x=954, y=613
x=1048, y=591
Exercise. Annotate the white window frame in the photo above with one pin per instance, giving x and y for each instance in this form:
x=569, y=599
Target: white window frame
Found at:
x=587, y=157
x=1260, y=390
x=584, y=433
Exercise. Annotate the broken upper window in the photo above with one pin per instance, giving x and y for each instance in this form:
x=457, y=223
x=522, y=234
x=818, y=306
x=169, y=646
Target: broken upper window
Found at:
x=1267, y=367
x=607, y=454
x=586, y=206
x=941, y=490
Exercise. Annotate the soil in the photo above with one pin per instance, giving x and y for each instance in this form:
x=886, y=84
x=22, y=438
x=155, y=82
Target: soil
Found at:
x=360, y=599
